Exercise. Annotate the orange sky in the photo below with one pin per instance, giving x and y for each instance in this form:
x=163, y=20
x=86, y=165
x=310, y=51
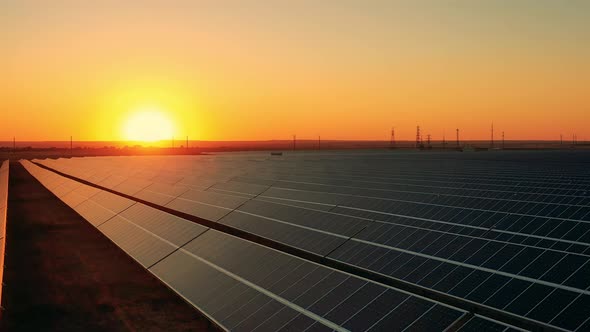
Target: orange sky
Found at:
x=221, y=70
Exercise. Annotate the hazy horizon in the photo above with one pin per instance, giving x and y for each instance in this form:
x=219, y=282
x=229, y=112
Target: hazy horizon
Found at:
x=287, y=145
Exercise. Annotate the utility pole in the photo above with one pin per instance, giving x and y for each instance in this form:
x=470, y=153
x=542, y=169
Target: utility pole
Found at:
x=502, y=140
x=492, y=141
x=560, y=139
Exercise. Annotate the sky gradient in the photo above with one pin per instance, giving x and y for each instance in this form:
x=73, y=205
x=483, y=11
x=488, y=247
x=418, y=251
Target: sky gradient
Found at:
x=259, y=70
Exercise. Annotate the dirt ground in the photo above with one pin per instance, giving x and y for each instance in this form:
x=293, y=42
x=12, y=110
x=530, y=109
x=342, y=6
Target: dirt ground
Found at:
x=62, y=274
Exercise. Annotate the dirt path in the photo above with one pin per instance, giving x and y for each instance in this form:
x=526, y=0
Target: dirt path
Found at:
x=63, y=274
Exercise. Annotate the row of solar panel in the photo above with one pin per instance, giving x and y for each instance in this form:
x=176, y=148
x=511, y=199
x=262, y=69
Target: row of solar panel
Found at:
x=459, y=266
x=541, y=209
x=527, y=223
x=475, y=216
x=113, y=178
x=544, y=232
x=571, y=207
x=411, y=173
x=457, y=174
x=537, y=226
x=3, y=207
x=242, y=285
x=421, y=255
x=490, y=231
x=432, y=193
x=387, y=181
x=423, y=169
x=430, y=167
x=512, y=235
x=513, y=204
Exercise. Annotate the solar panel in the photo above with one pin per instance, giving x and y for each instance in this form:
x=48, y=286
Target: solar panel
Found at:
x=240, y=187
x=131, y=186
x=79, y=195
x=160, y=193
x=213, y=199
x=477, y=323
x=213, y=267
x=301, y=238
x=66, y=187
x=149, y=235
x=4, y=172
x=501, y=233
x=279, y=292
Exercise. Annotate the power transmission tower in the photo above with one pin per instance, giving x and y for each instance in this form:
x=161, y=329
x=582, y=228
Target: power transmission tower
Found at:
x=418, y=138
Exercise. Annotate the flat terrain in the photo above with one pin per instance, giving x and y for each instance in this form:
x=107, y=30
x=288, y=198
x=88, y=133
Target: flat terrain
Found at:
x=61, y=149
x=63, y=274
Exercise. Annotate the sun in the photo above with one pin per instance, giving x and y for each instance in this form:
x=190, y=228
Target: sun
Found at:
x=148, y=125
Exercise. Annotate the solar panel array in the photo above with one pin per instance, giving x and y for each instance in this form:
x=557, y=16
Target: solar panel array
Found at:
x=485, y=228
x=3, y=205
x=242, y=285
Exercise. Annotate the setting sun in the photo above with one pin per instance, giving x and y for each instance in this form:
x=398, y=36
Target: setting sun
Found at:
x=148, y=125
